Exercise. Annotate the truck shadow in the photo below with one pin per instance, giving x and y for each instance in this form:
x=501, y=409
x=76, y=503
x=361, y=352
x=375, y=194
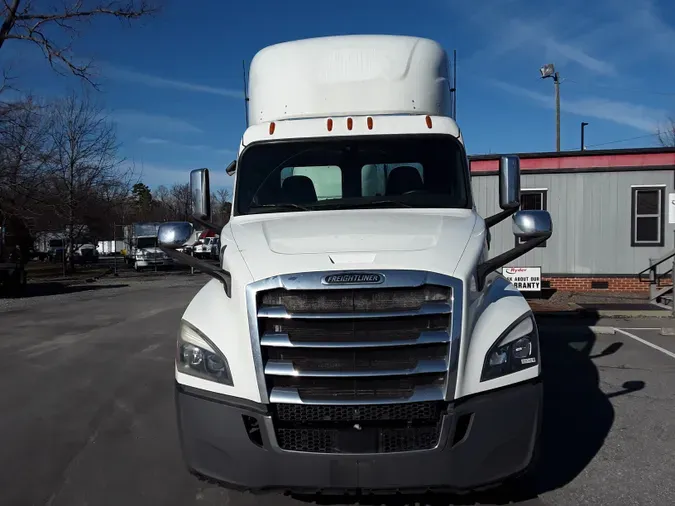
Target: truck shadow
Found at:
x=41, y=289
x=577, y=418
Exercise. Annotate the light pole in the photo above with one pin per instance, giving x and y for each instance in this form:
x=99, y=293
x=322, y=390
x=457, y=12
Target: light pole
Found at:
x=548, y=70
x=583, y=127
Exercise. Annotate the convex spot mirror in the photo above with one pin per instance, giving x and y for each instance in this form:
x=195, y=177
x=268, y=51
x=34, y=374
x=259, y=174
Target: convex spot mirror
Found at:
x=532, y=224
x=174, y=234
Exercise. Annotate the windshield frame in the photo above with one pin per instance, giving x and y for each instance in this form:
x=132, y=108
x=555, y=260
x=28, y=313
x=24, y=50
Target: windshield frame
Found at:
x=464, y=161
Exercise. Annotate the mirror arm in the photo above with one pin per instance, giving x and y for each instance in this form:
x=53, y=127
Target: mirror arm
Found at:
x=215, y=272
x=492, y=264
x=491, y=221
x=207, y=224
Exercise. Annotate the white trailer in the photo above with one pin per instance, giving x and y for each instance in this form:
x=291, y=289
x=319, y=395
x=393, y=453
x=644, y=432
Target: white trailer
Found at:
x=357, y=334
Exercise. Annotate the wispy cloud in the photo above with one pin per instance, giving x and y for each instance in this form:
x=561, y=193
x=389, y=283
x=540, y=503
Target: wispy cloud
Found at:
x=624, y=113
x=152, y=140
x=152, y=122
x=124, y=74
x=194, y=147
x=538, y=37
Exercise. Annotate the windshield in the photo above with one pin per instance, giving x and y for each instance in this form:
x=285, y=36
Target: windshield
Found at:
x=422, y=171
x=146, y=242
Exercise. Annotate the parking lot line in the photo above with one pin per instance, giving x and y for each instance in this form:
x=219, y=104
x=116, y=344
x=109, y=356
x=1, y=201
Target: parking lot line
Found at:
x=645, y=342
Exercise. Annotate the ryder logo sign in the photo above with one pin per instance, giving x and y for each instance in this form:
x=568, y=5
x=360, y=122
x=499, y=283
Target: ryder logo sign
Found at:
x=525, y=279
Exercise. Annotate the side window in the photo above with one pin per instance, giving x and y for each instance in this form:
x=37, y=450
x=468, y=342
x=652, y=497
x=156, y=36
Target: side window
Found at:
x=327, y=179
x=533, y=200
x=647, y=216
x=374, y=177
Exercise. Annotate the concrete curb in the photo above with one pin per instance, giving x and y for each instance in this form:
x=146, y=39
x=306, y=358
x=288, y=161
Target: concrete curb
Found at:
x=606, y=313
x=598, y=329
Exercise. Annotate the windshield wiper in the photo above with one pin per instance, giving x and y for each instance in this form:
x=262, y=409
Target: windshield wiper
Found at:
x=281, y=205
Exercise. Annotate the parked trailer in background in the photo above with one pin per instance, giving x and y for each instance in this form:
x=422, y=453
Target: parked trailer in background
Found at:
x=357, y=335
x=110, y=247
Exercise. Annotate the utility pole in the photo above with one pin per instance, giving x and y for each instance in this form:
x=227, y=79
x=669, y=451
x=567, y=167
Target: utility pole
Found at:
x=546, y=71
x=583, y=128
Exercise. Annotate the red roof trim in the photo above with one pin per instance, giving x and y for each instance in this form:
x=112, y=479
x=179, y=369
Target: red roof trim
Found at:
x=583, y=162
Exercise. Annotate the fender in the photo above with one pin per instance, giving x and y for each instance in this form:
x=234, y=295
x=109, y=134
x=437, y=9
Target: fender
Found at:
x=492, y=313
x=223, y=320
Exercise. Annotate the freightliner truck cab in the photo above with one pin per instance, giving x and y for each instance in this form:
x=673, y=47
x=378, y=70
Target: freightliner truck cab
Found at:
x=356, y=335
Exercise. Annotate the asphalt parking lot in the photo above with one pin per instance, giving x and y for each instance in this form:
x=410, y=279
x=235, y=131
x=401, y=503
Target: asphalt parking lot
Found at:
x=87, y=407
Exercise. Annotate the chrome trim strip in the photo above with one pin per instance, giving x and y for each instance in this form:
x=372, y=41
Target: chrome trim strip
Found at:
x=429, y=308
x=284, y=341
x=289, y=395
x=286, y=368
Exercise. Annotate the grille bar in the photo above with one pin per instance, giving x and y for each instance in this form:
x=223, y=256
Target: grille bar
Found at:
x=429, y=308
x=287, y=368
x=282, y=340
x=291, y=395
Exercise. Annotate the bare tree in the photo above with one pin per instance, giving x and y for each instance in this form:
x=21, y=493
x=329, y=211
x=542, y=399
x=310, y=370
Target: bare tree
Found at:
x=24, y=155
x=23, y=20
x=221, y=207
x=667, y=135
x=86, y=169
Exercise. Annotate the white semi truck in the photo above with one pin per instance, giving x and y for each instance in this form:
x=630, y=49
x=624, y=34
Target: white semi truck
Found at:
x=357, y=335
x=140, y=245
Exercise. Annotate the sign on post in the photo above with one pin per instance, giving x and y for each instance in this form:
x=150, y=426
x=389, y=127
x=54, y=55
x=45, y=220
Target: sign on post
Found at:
x=671, y=208
x=525, y=279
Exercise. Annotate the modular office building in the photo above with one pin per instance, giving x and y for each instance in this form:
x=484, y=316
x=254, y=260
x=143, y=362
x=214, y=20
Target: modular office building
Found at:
x=610, y=213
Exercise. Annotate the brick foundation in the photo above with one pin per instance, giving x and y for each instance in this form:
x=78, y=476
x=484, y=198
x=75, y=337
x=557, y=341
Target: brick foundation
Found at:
x=585, y=284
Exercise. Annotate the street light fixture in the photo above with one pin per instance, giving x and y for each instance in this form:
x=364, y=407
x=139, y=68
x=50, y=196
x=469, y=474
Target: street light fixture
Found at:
x=547, y=71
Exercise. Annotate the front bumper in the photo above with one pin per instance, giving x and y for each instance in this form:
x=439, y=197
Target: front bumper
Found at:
x=498, y=443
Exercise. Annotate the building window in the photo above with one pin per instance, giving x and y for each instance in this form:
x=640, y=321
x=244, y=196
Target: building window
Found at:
x=533, y=200
x=647, y=216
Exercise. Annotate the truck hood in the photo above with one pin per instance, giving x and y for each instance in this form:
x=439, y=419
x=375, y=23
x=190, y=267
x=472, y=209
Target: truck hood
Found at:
x=355, y=239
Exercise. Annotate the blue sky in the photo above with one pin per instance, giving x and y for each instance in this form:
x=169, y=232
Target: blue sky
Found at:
x=173, y=84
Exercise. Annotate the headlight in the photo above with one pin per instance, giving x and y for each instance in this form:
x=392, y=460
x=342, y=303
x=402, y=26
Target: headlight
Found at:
x=197, y=356
x=515, y=350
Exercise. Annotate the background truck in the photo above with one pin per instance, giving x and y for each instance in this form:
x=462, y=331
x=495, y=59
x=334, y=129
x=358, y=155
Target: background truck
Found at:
x=140, y=246
x=357, y=334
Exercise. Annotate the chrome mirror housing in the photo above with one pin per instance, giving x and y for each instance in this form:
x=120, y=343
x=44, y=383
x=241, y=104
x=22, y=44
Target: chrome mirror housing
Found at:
x=532, y=224
x=509, y=182
x=174, y=235
x=201, y=194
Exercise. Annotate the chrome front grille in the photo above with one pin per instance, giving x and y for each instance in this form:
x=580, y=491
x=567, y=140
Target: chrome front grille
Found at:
x=329, y=356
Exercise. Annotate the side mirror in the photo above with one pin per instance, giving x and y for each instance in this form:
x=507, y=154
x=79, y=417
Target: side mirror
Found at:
x=174, y=235
x=532, y=224
x=200, y=191
x=509, y=182
x=509, y=189
x=231, y=168
x=201, y=194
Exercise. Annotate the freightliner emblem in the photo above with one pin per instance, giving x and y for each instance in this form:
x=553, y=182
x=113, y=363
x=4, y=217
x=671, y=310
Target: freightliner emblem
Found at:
x=353, y=278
